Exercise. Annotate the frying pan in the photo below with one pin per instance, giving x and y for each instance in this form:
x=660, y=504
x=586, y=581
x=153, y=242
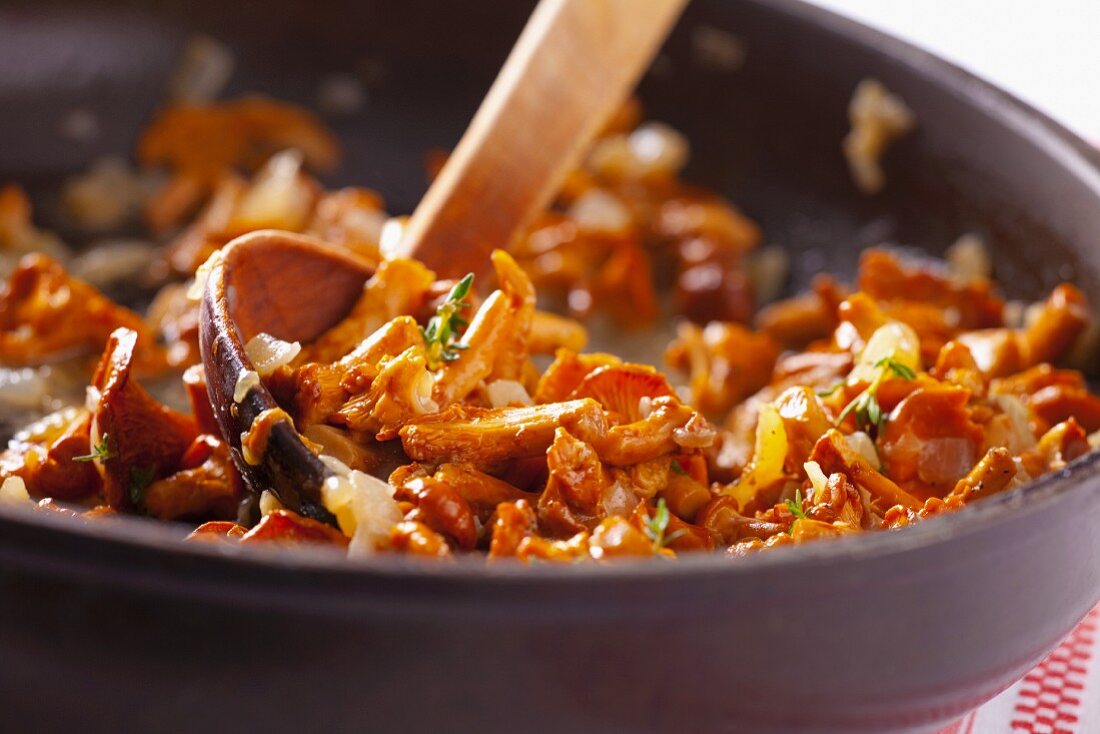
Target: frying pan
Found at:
x=120, y=627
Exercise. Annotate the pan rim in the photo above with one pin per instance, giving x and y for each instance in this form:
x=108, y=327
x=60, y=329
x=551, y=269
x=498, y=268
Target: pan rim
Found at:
x=1071, y=153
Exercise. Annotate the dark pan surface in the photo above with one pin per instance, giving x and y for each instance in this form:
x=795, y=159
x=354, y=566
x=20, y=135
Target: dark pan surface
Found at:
x=124, y=629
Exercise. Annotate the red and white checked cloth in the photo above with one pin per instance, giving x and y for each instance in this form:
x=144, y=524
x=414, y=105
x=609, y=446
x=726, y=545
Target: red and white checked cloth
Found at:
x=1060, y=696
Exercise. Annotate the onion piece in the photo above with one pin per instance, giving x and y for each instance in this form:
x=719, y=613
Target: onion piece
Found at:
x=503, y=393
x=268, y=354
x=364, y=508
x=269, y=503
x=23, y=388
x=862, y=444
x=203, y=71
x=14, y=492
x=894, y=340
x=279, y=197
x=817, y=477
x=600, y=211
x=111, y=262
x=198, y=285
x=658, y=150
x=335, y=465
x=968, y=259
x=245, y=382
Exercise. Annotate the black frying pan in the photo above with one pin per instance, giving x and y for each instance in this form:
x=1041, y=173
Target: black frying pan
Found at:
x=125, y=629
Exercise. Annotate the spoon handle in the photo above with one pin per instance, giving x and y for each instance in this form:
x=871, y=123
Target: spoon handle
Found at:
x=574, y=64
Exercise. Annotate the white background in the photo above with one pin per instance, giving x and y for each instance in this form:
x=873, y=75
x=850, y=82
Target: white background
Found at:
x=1047, y=52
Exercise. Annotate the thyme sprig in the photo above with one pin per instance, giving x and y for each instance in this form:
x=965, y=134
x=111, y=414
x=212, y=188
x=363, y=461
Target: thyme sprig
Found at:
x=795, y=505
x=795, y=508
x=656, y=527
x=140, y=479
x=865, y=406
x=442, y=332
x=101, y=451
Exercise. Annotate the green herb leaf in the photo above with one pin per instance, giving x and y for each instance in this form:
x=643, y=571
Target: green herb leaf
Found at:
x=830, y=391
x=442, y=332
x=903, y=371
x=657, y=525
x=865, y=406
x=677, y=469
x=873, y=413
x=849, y=408
x=795, y=506
x=140, y=479
x=100, y=451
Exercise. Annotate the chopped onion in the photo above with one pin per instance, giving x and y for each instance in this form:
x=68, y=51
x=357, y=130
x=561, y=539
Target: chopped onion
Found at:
x=862, y=444
x=653, y=149
x=610, y=157
x=600, y=211
x=503, y=393
x=877, y=118
x=268, y=354
x=198, y=285
x=14, y=492
x=364, y=508
x=968, y=259
x=393, y=231
x=817, y=477
x=335, y=465
x=245, y=382
x=365, y=224
x=893, y=340
x=23, y=388
x=278, y=198
x=106, y=197
x=269, y=503
x=1023, y=437
x=109, y=262
x=656, y=148
x=204, y=70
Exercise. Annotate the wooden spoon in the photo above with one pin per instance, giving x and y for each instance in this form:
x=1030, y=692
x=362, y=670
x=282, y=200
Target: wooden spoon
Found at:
x=574, y=64
x=294, y=288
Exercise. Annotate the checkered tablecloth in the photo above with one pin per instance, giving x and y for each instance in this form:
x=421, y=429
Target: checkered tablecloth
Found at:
x=1060, y=696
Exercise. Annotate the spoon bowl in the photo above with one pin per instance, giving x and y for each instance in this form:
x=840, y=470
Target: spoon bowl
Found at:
x=294, y=288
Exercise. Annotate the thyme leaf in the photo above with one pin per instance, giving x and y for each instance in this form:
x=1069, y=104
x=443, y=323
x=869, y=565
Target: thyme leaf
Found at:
x=865, y=406
x=101, y=451
x=657, y=526
x=903, y=371
x=442, y=332
x=140, y=479
x=795, y=506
